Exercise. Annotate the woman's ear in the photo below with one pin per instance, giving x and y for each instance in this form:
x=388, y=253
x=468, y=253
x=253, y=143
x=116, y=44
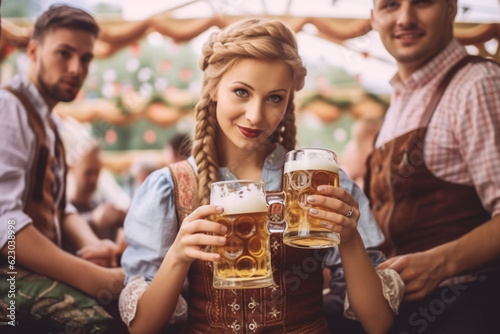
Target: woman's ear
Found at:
x=213, y=96
x=214, y=92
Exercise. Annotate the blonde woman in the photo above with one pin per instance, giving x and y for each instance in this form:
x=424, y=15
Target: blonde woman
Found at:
x=245, y=125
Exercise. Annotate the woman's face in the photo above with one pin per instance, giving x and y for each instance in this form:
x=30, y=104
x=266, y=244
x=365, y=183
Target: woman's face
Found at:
x=252, y=98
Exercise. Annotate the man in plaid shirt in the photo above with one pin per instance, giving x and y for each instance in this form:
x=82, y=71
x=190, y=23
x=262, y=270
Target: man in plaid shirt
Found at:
x=434, y=175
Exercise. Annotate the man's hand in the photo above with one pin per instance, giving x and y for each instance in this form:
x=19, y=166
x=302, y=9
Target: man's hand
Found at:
x=103, y=252
x=421, y=272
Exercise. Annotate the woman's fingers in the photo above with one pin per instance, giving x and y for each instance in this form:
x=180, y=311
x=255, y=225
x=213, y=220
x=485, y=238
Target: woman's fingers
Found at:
x=198, y=221
x=203, y=226
x=197, y=234
x=335, y=207
x=203, y=212
x=200, y=246
x=332, y=220
x=202, y=255
x=334, y=199
x=338, y=193
x=201, y=239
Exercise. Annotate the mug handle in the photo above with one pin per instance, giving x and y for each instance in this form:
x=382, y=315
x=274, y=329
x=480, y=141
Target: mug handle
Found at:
x=276, y=211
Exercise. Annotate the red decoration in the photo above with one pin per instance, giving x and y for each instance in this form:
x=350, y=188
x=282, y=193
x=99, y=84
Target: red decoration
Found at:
x=111, y=136
x=150, y=136
x=186, y=74
x=135, y=49
x=165, y=66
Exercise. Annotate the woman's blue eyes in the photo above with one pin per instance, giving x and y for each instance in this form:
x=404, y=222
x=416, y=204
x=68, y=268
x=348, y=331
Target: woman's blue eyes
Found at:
x=272, y=98
x=275, y=98
x=241, y=92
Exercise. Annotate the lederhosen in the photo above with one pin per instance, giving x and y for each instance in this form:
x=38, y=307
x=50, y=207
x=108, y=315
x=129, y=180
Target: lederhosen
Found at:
x=44, y=186
x=293, y=305
x=417, y=211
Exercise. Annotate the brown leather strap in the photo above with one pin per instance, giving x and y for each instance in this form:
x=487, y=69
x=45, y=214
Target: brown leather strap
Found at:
x=41, y=156
x=47, y=174
x=30, y=109
x=185, y=188
x=438, y=94
x=60, y=154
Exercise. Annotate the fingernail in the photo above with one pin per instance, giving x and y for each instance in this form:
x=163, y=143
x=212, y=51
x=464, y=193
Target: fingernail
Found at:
x=321, y=189
x=223, y=229
x=221, y=240
x=313, y=211
x=324, y=223
x=219, y=208
x=311, y=199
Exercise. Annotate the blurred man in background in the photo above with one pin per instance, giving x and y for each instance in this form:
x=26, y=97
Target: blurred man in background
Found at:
x=53, y=288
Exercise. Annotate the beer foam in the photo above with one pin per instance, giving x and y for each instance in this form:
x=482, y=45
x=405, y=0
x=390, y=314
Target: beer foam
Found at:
x=315, y=164
x=242, y=202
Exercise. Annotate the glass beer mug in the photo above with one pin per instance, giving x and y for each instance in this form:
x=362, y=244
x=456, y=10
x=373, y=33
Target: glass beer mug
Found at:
x=245, y=259
x=305, y=170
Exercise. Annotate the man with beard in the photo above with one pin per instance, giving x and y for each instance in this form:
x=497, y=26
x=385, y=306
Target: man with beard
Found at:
x=40, y=277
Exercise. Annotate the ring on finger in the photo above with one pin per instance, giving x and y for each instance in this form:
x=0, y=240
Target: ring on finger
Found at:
x=349, y=213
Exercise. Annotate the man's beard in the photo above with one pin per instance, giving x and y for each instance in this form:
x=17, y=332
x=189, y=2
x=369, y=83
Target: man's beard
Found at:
x=52, y=91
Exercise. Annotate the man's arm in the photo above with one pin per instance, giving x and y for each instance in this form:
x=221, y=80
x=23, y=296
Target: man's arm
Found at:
x=79, y=238
x=37, y=253
x=76, y=232
x=473, y=250
x=422, y=272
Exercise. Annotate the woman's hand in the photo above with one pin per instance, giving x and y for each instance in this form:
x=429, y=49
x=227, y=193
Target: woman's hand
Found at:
x=337, y=209
x=197, y=232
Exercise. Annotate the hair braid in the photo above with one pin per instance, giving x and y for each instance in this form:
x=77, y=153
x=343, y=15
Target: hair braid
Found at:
x=263, y=39
x=204, y=151
x=289, y=132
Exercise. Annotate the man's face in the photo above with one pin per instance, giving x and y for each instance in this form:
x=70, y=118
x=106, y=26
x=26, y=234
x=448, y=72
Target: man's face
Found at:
x=60, y=63
x=86, y=173
x=413, y=31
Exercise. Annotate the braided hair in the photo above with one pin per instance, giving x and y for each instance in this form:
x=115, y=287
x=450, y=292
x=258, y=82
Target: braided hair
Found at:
x=254, y=38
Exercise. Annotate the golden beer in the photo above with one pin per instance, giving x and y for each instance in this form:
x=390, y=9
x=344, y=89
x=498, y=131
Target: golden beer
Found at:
x=301, y=178
x=245, y=259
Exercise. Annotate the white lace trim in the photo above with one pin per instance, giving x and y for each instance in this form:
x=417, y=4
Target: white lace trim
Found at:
x=180, y=310
x=392, y=289
x=130, y=295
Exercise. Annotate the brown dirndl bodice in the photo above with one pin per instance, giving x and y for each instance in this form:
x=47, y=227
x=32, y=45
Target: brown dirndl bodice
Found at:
x=294, y=304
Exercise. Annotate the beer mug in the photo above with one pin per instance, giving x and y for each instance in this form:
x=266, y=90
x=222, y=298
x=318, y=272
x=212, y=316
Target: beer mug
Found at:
x=305, y=170
x=245, y=259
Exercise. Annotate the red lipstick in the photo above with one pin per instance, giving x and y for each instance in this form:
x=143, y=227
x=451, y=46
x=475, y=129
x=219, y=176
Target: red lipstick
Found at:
x=250, y=133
